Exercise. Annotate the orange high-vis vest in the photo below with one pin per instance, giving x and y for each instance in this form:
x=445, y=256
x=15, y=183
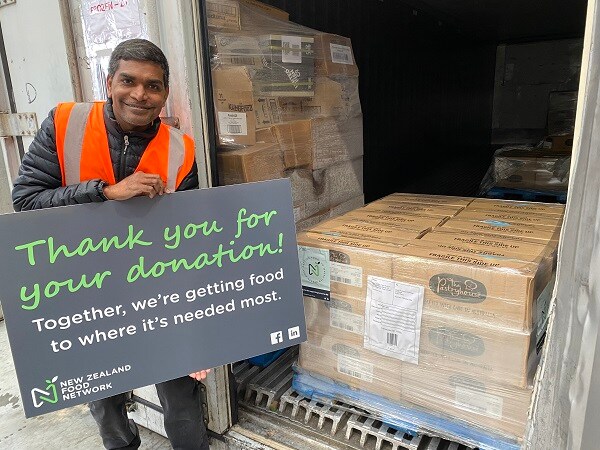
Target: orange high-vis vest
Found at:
x=83, y=153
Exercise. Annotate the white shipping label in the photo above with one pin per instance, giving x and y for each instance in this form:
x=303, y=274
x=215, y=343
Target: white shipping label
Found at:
x=479, y=402
x=341, y=54
x=233, y=124
x=291, y=49
x=346, y=274
x=393, y=318
x=542, y=306
x=355, y=368
x=347, y=321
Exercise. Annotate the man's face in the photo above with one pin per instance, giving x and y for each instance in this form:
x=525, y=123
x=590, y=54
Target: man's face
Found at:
x=138, y=93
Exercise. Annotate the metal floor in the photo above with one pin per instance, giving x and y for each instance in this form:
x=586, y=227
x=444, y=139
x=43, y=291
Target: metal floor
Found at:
x=71, y=428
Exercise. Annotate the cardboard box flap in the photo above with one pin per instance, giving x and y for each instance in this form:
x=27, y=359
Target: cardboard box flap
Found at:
x=369, y=231
x=487, y=245
x=392, y=218
x=428, y=199
x=309, y=238
x=518, y=207
x=501, y=228
x=510, y=218
x=414, y=208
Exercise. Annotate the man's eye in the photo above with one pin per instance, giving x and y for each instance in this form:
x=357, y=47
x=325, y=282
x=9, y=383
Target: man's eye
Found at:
x=126, y=81
x=154, y=87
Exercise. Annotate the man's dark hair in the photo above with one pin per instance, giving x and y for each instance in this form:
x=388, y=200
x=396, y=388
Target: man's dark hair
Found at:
x=138, y=50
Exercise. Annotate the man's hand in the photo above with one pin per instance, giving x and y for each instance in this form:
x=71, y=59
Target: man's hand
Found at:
x=136, y=184
x=201, y=375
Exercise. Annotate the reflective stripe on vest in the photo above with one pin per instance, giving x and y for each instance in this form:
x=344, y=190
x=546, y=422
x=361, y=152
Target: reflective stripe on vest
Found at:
x=83, y=153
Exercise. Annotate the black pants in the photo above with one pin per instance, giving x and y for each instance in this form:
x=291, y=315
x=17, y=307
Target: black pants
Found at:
x=180, y=399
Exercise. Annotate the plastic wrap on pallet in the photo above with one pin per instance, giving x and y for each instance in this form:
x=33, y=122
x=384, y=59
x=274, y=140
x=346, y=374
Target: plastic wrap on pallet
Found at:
x=290, y=72
x=405, y=416
x=459, y=393
x=528, y=168
x=444, y=328
x=333, y=211
x=562, y=108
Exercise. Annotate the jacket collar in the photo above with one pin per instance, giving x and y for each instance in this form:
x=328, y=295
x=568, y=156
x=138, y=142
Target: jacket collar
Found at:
x=114, y=128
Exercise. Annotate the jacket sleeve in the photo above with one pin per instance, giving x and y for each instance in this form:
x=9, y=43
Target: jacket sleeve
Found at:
x=39, y=184
x=191, y=180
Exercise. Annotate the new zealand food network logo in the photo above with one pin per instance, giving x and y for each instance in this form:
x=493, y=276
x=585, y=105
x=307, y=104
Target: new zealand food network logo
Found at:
x=49, y=395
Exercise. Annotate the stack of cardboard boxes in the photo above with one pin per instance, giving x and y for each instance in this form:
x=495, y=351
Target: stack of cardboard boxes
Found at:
x=286, y=105
x=436, y=303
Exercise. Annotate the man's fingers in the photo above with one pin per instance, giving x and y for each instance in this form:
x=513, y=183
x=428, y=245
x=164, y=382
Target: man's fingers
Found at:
x=200, y=375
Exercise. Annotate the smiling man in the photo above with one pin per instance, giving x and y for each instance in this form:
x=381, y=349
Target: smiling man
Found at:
x=116, y=150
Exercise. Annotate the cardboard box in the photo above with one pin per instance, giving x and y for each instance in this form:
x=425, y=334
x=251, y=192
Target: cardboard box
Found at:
x=352, y=261
x=455, y=395
x=510, y=218
x=495, y=291
x=470, y=399
x=318, y=143
x=500, y=355
x=343, y=227
x=440, y=200
x=289, y=68
x=532, y=169
x=413, y=208
x=223, y=14
x=341, y=317
x=256, y=163
x=527, y=231
x=237, y=49
x=562, y=143
x=420, y=223
x=489, y=245
x=295, y=140
x=234, y=105
x=263, y=8
x=334, y=56
x=332, y=98
x=351, y=365
x=517, y=207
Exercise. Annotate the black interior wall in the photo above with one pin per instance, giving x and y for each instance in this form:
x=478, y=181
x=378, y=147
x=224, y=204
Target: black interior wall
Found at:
x=426, y=91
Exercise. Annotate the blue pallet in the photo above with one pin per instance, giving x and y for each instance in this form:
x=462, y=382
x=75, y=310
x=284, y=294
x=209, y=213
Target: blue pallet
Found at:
x=529, y=195
x=267, y=358
x=394, y=414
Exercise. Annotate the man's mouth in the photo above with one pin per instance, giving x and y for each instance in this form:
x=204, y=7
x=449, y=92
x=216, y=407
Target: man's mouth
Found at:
x=140, y=107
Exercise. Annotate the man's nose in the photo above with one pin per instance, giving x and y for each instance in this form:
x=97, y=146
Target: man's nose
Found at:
x=138, y=93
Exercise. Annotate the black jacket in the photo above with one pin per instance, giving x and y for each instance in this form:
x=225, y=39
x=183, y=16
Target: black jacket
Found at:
x=39, y=184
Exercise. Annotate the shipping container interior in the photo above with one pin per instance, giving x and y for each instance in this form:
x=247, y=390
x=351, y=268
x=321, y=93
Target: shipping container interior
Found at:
x=445, y=83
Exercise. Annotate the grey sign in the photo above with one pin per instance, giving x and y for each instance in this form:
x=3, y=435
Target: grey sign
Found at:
x=103, y=298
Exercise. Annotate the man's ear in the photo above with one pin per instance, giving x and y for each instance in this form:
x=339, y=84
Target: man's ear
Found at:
x=108, y=86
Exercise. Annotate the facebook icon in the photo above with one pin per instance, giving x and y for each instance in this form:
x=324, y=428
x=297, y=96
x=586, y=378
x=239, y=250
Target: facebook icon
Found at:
x=276, y=337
